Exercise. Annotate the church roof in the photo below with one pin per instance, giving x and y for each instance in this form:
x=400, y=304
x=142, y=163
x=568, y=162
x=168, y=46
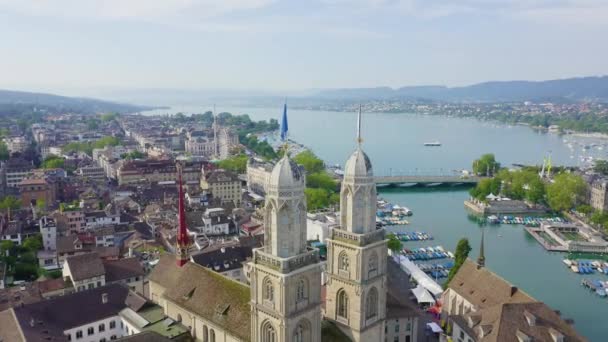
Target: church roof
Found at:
x=205, y=293
x=483, y=288
x=502, y=323
x=287, y=174
x=358, y=165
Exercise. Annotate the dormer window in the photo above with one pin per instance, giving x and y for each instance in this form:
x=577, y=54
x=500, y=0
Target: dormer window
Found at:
x=530, y=318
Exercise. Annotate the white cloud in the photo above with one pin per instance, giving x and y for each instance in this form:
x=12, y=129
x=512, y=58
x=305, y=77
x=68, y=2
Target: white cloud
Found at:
x=130, y=9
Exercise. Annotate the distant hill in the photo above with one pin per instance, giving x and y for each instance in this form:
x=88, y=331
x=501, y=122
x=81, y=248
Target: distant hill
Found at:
x=571, y=89
x=64, y=103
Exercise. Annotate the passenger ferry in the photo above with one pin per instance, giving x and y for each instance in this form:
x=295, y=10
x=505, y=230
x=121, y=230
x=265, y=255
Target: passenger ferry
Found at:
x=433, y=143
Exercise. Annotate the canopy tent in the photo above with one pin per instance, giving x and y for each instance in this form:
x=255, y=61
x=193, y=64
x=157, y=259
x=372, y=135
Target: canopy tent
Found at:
x=421, y=278
x=423, y=295
x=434, y=327
x=491, y=197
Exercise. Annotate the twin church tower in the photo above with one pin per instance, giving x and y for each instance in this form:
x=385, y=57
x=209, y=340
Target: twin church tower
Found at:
x=286, y=282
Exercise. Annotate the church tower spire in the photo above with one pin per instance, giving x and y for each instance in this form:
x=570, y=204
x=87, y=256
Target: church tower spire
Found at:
x=285, y=273
x=481, y=260
x=357, y=255
x=183, y=240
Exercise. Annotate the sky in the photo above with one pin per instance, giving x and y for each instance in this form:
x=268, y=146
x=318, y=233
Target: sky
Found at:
x=271, y=45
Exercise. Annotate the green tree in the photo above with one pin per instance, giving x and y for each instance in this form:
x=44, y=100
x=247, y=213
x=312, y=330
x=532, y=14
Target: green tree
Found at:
x=134, y=155
x=318, y=198
x=394, y=244
x=321, y=180
x=6, y=246
x=4, y=153
x=460, y=256
x=108, y=117
x=10, y=202
x=485, y=187
x=236, y=164
x=486, y=165
x=53, y=162
x=566, y=191
x=585, y=209
x=601, y=166
x=310, y=161
x=536, y=190
x=33, y=243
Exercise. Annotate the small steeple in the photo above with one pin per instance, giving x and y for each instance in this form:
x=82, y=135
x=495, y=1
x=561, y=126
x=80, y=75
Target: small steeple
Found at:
x=481, y=260
x=359, y=139
x=183, y=240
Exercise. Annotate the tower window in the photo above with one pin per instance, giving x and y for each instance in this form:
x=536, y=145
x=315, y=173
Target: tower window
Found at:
x=268, y=332
x=371, y=304
x=342, y=304
x=343, y=262
x=268, y=290
x=301, y=291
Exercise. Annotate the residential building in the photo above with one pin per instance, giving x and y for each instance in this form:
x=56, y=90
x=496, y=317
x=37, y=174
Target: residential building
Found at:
x=599, y=195
x=48, y=231
x=101, y=314
x=91, y=172
x=149, y=170
x=223, y=185
x=15, y=170
x=227, y=261
x=34, y=191
x=481, y=306
x=87, y=271
x=16, y=144
x=258, y=175
x=99, y=218
x=71, y=218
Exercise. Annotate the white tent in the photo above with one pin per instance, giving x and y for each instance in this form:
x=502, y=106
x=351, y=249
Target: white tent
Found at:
x=491, y=197
x=434, y=327
x=421, y=278
x=423, y=296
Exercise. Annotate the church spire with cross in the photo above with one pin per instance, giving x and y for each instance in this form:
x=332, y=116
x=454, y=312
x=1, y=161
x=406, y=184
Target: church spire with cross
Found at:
x=481, y=259
x=359, y=138
x=182, y=238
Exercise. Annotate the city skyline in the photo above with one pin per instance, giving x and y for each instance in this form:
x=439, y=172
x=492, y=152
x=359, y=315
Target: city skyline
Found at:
x=267, y=45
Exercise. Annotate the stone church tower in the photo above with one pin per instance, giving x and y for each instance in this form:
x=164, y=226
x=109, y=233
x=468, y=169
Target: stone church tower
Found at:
x=357, y=256
x=285, y=274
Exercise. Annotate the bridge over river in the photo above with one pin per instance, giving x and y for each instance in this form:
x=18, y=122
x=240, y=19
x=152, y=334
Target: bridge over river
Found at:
x=426, y=180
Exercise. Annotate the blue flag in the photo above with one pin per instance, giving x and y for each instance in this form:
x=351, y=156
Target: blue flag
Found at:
x=284, y=127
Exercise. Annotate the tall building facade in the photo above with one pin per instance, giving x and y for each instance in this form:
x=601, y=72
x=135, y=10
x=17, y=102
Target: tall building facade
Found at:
x=285, y=273
x=357, y=256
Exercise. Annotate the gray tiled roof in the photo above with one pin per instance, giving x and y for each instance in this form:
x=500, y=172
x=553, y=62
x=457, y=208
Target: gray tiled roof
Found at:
x=85, y=266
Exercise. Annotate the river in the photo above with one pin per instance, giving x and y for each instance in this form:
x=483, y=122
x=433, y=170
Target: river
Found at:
x=394, y=143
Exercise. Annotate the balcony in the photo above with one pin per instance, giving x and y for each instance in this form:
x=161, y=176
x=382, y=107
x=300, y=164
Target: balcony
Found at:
x=357, y=239
x=286, y=265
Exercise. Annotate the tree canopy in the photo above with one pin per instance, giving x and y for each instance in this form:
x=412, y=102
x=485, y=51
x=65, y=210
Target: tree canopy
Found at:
x=394, y=244
x=236, y=164
x=4, y=152
x=10, y=202
x=310, y=161
x=601, y=166
x=567, y=191
x=53, y=162
x=460, y=256
x=486, y=165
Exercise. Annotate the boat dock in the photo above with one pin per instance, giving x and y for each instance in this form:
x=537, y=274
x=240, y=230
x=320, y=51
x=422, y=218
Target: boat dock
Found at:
x=413, y=236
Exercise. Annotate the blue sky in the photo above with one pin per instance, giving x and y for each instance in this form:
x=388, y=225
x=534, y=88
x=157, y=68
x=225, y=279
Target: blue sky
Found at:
x=296, y=44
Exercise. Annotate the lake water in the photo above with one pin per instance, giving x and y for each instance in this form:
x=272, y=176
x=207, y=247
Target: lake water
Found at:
x=394, y=143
